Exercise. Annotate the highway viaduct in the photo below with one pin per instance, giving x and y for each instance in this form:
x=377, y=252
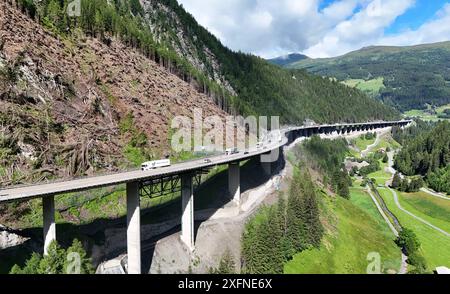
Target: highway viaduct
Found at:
x=179, y=177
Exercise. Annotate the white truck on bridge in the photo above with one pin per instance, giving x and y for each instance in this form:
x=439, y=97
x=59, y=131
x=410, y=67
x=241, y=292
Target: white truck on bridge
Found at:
x=149, y=165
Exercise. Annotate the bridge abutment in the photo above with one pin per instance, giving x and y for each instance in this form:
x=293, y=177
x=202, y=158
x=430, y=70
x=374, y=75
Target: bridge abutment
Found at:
x=187, y=210
x=133, y=228
x=48, y=205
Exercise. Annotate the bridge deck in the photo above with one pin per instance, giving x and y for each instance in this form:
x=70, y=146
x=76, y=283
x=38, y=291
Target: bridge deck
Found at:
x=55, y=188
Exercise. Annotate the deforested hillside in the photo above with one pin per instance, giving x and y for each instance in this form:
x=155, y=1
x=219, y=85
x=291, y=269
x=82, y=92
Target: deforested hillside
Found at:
x=73, y=105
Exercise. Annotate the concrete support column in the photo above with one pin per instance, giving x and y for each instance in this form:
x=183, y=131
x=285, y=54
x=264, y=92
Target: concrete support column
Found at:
x=267, y=167
x=234, y=182
x=187, y=210
x=48, y=205
x=133, y=228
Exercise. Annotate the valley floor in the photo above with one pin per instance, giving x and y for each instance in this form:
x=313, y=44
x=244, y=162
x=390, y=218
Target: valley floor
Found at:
x=426, y=214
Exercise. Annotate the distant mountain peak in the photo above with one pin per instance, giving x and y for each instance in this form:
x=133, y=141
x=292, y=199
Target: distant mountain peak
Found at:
x=287, y=59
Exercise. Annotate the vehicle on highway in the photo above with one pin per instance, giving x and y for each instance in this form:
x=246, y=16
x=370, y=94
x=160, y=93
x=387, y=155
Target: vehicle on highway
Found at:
x=231, y=151
x=207, y=160
x=149, y=165
x=259, y=145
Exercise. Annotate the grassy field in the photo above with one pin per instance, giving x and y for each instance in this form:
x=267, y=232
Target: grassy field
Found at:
x=432, y=209
x=361, y=144
x=386, y=142
x=380, y=176
x=427, y=115
x=372, y=87
x=354, y=229
x=430, y=205
x=435, y=245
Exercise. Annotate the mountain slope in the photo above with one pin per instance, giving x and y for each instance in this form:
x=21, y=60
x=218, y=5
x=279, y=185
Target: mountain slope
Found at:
x=410, y=77
x=76, y=106
x=96, y=93
x=288, y=59
x=255, y=86
x=238, y=83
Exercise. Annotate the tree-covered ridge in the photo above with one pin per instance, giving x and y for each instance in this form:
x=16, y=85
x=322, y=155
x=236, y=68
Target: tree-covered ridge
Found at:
x=264, y=88
x=412, y=76
x=238, y=82
x=419, y=127
x=428, y=155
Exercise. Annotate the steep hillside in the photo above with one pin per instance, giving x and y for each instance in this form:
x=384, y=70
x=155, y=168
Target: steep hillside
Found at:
x=288, y=59
x=75, y=106
x=254, y=85
x=406, y=77
x=95, y=93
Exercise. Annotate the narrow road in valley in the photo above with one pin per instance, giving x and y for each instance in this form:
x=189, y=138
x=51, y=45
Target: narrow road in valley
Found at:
x=391, y=170
x=435, y=194
x=397, y=202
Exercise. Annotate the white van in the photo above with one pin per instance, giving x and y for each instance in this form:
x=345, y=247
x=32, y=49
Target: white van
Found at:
x=155, y=164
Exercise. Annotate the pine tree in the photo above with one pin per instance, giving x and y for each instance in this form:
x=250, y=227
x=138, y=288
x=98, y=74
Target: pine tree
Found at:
x=396, y=181
x=53, y=262
x=295, y=229
x=56, y=261
x=85, y=262
x=311, y=212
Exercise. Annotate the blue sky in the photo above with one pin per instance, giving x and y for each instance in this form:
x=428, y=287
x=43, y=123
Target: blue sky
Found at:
x=414, y=17
x=321, y=28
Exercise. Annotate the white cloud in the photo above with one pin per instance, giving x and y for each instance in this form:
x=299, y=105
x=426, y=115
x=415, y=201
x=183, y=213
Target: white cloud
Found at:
x=272, y=28
x=268, y=27
x=435, y=30
x=362, y=29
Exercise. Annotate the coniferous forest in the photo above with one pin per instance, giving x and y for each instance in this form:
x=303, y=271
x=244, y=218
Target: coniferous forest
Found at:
x=405, y=82
x=426, y=153
x=328, y=156
x=280, y=231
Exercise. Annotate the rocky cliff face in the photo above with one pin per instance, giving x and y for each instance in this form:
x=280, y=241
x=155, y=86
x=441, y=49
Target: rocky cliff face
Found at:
x=168, y=28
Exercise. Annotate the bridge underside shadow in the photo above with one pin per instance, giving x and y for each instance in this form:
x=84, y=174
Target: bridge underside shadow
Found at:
x=209, y=197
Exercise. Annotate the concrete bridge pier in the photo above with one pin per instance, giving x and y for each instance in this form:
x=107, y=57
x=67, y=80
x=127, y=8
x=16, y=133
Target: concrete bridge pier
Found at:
x=48, y=205
x=187, y=210
x=133, y=228
x=267, y=160
x=234, y=182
